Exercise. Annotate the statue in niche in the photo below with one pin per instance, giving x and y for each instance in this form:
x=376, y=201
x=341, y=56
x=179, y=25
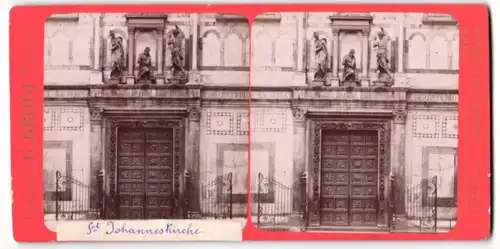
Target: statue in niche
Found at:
x=145, y=66
x=117, y=56
x=350, y=75
x=321, y=54
x=175, y=40
x=384, y=75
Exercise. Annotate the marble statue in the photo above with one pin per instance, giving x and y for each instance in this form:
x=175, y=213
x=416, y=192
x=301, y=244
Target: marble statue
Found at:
x=117, y=56
x=321, y=54
x=145, y=66
x=175, y=40
x=349, y=63
x=382, y=45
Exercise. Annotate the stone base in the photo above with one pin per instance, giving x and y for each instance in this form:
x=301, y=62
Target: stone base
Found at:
x=378, y=83
x=115, y=81
x=178, y=80
x=334, y=82
x=318, y=83
x=160, y=80
x=350, y=84
x=145, y=81
x=193, y=77
x=130, y=80
x=400, y=80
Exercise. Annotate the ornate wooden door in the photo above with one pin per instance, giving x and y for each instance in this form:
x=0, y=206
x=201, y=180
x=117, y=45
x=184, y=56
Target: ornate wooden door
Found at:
x=349, y=178
x=145, y=173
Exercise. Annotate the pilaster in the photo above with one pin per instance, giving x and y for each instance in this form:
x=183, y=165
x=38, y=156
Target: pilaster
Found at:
x=398, y=160
x=193, y=158
x=96, y=149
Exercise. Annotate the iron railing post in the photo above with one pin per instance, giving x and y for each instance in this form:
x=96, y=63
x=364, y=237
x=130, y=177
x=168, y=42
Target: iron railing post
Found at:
x=230, y=190
x=58, y=177
x=303, y=202
x=187, y=195
x=259, y=179
x=435, y=204
x=392, y=201
x=100, y=194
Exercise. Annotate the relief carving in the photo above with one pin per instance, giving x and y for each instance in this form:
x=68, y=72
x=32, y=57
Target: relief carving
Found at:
x=299, y=114
x=96, y=113
x=399, y=116
x=194, y=113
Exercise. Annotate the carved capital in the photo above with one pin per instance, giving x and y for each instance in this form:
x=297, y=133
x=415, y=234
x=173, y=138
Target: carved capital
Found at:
x=299, y=114
x=335, y=31
x=365, y=32
x=96, y=113
x=399, y=116
x=131, y=30
x=194, y=113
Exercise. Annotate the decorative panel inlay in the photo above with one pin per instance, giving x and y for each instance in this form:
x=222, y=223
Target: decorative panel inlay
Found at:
x=435, y=126
x=450, y=127
x=220, y=123
x=242, y=125
x=425, y=126
x=236, y=122
x=63, y=119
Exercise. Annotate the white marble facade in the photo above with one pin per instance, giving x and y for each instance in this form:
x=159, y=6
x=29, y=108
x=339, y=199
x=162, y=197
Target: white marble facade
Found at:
x=422, y=103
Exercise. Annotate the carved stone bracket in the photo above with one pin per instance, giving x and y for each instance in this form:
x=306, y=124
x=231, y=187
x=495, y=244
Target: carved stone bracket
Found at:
x=335, y=31
x=365, y=31
x=399, y=116
x=194, y=113
x=299, y=114
x=96, y=113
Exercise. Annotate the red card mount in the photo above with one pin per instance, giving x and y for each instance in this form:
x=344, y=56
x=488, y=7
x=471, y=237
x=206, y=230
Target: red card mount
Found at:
x=366, y=122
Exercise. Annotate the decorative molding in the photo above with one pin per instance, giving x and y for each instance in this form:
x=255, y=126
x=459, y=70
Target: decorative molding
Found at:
x=383, y=161
x=96, y=113
x=299, y=114
x=63, y=118
x=112, y=164
x=450, y=127
x=194, y=113
x=425, y=126
x=400, y=116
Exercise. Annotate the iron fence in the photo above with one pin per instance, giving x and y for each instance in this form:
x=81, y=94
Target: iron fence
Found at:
x=281, y=207
x=216, y=198
x=422, y=206
x=75, y=200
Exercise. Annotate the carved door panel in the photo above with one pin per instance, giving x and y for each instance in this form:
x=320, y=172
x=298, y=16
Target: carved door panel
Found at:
x=144, y=170
x=348, y=178
x=363, y=178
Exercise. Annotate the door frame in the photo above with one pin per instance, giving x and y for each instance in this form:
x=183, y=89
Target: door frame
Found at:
x=110, y=158
x=379, y=122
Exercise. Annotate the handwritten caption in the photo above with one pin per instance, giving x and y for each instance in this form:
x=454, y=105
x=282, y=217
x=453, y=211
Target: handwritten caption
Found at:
x=113, y=227
x=149, y=230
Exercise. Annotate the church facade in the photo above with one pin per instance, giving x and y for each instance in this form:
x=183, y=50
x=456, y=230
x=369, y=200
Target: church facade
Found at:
x=175, y=144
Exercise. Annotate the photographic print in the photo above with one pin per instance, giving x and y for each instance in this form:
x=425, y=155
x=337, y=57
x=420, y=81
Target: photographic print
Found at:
x=359, y=131
x=266, y=122
x=145, y=116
